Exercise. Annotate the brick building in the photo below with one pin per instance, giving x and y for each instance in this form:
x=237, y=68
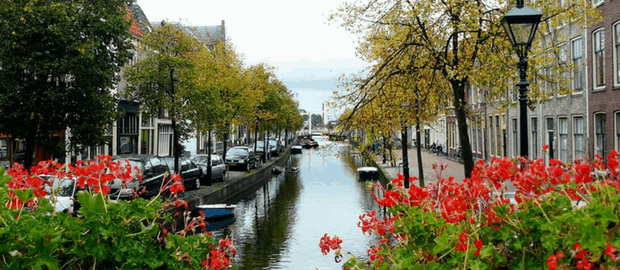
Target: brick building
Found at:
x=603, y=43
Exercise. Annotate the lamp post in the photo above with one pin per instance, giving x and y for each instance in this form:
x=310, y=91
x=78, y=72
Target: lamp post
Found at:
x=520, y=24
x=405, y=149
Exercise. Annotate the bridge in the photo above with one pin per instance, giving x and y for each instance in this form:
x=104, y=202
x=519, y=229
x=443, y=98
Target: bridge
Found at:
x=308, y=123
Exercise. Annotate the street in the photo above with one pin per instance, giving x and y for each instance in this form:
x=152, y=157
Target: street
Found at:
x=454, y=168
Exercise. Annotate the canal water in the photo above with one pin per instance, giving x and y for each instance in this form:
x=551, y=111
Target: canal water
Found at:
x=278, y=224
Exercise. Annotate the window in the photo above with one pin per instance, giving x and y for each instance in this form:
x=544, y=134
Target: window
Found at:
x=617, y=130
x=550, y=138
x=564, y=78
x=563, y=130
x=599, y=127
x=617, y=53
x=498, y=135
x=480, y=146
x=578, y=65
x=472, y=138
x=599, y=58
x=515, y=150
x=165, y=139
x=578, y=134
x=492, y=135
x=534, y=138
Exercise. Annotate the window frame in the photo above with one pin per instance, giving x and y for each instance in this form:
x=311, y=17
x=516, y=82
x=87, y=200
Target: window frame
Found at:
x=534, y=134
x=515, y=130
x=617, y=129
x=598, y=72
x=578, y=137
x=577, y=61
x=615, y=29
x=563, y=143
x=600, y=134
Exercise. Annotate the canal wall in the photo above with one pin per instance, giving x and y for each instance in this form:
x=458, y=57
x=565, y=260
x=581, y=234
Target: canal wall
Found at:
x=221, y=191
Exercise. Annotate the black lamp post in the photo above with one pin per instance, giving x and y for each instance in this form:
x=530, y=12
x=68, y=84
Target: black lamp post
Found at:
x=521, y=23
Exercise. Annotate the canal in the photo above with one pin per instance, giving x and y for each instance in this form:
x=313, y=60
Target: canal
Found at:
x=278, y=223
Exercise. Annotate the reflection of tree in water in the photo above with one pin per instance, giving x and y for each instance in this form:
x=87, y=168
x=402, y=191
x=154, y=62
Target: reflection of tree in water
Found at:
x=271, y=229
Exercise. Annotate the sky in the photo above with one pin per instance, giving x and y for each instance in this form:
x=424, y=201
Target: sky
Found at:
x=294, y=36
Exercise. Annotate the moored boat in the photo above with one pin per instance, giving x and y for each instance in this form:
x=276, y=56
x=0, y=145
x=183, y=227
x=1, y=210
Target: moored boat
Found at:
x=296, y=149
x=215, y=211
x=277, y=170
x=367, y=173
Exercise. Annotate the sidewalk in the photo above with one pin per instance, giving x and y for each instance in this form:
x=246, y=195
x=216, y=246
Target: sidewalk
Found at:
x=454, y=168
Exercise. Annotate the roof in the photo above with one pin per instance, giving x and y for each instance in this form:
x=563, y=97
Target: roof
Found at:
x=140, y=24
x=207, y=34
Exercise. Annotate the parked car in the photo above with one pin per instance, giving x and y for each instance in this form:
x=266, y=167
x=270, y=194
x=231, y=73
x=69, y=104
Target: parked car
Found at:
x=260, y=151
x=154, y=170
x=218, y=167
x=242, y=157
x=190, y=172
x=62, y=194
x=276, y=147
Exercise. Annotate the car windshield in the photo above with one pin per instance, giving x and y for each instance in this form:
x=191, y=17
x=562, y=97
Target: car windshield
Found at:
x=200, y=159
x=170, y=162
x=62, y=187
x=237, y=151
x=133, y=163
x=259, y=143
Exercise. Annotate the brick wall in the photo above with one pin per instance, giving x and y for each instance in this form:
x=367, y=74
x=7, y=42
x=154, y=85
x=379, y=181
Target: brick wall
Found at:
x=607, y=99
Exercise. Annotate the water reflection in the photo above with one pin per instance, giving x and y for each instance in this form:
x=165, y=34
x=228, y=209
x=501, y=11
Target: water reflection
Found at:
x=278, y=225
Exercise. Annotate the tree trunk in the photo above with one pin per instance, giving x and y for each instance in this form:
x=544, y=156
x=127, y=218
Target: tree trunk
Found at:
x=419, y=154
x=405, y=155
x=209, y=170
x=30, y=147
x=458, y=87
x=255, y=136
x=175, y=146
x=225, y=145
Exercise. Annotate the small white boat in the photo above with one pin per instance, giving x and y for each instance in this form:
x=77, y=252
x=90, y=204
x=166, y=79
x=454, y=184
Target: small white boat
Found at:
x=277, y=170
x=296, y=149
x=215, y=211
x=367, y=173
x=292, y=170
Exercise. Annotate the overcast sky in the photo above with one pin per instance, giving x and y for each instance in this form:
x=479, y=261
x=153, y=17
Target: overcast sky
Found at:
x=292, y=35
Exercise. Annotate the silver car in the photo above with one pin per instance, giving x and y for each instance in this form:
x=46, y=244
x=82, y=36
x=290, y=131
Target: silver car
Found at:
x=218, y=168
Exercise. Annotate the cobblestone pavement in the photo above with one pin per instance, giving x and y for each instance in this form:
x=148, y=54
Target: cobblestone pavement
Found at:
x=390, y=169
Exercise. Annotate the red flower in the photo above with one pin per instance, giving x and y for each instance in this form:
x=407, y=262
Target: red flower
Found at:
x=327, y=244
x=545, y=147
x=552, y=262
x=610, y=251
x=478, y=247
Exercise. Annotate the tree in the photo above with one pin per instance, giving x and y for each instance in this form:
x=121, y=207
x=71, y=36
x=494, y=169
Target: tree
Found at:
x=462, y=41
x=231, y=83
x=209, y=104
x=166, y=78
x=259, y=86
x=59, y=60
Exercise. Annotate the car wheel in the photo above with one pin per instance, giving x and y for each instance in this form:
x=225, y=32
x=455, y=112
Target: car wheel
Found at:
x=247, y=166
x=197, y=183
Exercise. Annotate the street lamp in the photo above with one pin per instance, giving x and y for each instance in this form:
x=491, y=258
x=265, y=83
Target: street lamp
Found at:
x=521, y=23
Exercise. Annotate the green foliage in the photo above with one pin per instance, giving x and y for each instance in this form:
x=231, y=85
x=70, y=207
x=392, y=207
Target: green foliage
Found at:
x=556, y=221
x=126, y=235
x=58, y=67
x=103, y=233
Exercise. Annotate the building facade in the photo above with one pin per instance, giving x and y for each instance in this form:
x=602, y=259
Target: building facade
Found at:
x=603, y=43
